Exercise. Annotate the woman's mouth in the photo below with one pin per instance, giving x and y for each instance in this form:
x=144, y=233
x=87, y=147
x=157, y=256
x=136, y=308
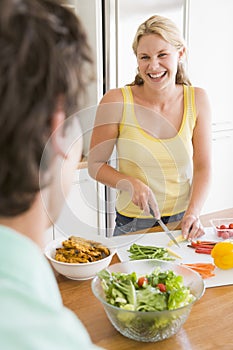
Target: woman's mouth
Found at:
x=157, y=76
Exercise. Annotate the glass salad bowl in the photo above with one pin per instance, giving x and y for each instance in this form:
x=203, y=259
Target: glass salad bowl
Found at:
x=148, y=325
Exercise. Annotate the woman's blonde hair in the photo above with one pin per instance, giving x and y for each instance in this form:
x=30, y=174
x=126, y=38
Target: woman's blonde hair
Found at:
x=169, y=32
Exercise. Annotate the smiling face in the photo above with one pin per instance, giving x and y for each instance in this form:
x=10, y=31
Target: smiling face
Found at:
x=157, y=60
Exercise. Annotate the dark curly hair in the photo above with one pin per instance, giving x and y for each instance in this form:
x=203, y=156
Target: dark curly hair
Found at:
x=43, y=54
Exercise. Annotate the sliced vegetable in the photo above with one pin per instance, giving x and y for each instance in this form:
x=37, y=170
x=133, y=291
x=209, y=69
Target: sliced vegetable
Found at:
x=171, y=252
x=206, y=270
x=179, y=239
x=202, y=247
x=138, y=252
x=223, y=255
x=203, y=251
x=198, y=243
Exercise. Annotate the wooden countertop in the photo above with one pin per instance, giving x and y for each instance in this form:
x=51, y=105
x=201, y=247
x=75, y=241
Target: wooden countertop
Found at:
x=209, y=326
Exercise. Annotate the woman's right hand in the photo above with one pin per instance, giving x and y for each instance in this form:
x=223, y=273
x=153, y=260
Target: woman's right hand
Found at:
x=143, y=197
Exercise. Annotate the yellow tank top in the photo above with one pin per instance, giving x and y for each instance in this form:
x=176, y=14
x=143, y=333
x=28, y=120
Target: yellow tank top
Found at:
x=165, y=165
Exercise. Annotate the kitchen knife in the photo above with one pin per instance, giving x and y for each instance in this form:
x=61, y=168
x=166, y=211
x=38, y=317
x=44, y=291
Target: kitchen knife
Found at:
x=166, y=229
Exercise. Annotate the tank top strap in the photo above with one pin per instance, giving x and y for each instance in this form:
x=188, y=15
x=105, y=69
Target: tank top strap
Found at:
x=127, y=94
x=128, y=111
x=189, y=101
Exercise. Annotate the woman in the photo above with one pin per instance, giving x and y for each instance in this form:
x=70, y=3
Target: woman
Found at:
x=161, y=126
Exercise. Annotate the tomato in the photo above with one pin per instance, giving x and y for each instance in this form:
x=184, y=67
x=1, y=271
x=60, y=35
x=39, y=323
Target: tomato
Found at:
x=225, y=234
x=142, y=282
x=219, y=233
x=231, y=225
x=161, y=287
x=223, y=227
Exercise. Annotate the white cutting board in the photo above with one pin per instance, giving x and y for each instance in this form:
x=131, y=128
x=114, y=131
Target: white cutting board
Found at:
x=160, y=239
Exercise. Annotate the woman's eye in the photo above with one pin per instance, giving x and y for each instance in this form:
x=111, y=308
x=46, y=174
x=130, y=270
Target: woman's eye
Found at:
x=162, y=55
x=144, y=57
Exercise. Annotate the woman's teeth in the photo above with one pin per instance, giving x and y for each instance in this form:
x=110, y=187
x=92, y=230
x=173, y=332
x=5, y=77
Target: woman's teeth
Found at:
x=157, y=75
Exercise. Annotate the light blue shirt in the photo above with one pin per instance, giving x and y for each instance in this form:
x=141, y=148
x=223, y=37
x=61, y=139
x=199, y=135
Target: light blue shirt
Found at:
x=32, y=316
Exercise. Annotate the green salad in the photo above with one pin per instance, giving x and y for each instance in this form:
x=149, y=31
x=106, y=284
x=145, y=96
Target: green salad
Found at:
x=158, y=291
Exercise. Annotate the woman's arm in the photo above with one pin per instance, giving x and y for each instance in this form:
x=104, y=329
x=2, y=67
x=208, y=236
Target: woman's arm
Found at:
x=103, y=140
x=191, y=226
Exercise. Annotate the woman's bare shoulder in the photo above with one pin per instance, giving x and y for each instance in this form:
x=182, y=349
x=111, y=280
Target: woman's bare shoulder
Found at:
x=202, y=101
x=112, y=95
x=111, y=107
x=200, y=93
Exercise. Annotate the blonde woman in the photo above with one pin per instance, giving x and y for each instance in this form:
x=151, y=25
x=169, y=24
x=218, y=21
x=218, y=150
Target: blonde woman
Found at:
x=161, y=127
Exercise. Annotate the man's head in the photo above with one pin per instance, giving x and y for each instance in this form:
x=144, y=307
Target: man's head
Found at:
x=43, y=56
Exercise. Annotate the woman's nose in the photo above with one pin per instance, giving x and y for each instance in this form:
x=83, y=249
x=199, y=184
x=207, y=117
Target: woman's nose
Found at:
x=154, y=63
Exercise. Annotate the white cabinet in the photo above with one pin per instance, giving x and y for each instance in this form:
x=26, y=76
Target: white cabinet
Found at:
x=90, y=13
x=82, y=213
x=210, y=51
x=221, y=193
x=210, y=54
x=48, y=236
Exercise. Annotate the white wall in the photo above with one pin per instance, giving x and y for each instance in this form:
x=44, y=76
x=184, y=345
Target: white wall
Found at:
x=210, y=67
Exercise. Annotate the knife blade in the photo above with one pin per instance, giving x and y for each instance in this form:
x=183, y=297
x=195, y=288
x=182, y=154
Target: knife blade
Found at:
x=166, y=229
x=168, y=232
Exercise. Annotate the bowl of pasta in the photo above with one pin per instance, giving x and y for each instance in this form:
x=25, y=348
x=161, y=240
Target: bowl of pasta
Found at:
x=78, y=258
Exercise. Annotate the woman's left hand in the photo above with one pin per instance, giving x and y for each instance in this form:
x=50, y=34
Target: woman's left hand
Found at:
x=191, y=227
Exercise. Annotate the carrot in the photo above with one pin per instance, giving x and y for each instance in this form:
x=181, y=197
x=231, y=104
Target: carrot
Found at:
x=204, y=269
x=203, y=265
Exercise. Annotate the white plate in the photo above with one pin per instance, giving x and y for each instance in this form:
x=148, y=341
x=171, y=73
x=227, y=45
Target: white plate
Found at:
x=159, y=239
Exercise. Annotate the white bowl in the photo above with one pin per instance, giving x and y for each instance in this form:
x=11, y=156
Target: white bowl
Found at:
x=76, y=271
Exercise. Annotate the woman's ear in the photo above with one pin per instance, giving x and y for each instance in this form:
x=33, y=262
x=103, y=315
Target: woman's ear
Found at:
x=181, y=53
